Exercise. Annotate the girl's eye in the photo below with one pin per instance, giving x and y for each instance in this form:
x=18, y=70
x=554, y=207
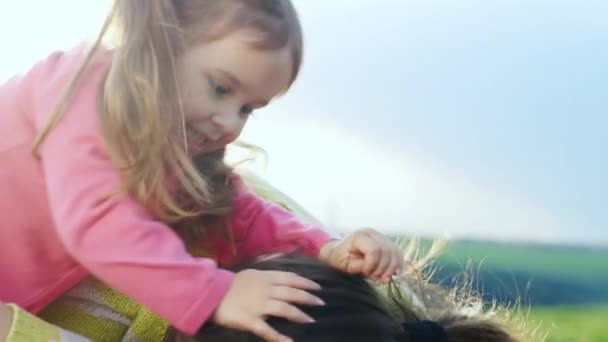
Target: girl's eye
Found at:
x=246, y=111
x=218, y=89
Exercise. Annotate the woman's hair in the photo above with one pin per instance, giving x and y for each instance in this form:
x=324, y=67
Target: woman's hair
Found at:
x=140, y=106
x=408, y=309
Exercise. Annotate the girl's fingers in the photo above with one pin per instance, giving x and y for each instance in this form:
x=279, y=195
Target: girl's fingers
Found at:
x=392, y=268
x=285, y=310
x=392, y=262
x=263, y=330
x=292, y=280
x=372, y=261
x=371, y=252
x=383, y=265
x=385, y=257
x=356, y=265
x=296, y=296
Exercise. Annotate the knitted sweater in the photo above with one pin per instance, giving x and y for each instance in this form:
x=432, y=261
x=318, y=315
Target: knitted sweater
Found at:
x=99, y=313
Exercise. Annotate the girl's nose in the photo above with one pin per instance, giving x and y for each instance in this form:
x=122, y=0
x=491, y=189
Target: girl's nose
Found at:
x=228, y=124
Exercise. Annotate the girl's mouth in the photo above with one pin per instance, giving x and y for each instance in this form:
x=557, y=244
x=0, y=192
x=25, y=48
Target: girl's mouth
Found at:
x=196, y=139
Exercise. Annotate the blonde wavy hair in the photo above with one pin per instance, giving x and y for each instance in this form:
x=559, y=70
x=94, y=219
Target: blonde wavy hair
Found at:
x=139, y=102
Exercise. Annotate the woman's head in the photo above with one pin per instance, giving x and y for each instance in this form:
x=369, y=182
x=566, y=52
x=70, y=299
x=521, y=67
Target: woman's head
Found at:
x=410, y=309
x=353, y=310
x=185, y=75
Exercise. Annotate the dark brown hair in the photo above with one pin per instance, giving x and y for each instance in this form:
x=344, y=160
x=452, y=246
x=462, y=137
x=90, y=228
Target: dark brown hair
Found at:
x=356, y=311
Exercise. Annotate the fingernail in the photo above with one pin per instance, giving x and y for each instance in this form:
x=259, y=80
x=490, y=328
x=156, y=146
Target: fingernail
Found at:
x=287, y=340
x=319, y=301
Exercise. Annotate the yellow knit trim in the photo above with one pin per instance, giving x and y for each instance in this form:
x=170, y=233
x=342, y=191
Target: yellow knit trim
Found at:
x=147, y=326
x=69, y=316
x=116, y=300
x=29, y=328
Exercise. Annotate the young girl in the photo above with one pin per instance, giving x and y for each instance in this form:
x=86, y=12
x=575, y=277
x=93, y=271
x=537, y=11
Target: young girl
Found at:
x=116, y=133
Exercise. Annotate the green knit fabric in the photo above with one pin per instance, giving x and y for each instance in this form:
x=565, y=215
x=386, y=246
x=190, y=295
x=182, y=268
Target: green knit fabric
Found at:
x=29, y=328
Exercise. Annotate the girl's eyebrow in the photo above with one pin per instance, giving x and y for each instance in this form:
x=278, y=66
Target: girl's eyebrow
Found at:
x=235, y=83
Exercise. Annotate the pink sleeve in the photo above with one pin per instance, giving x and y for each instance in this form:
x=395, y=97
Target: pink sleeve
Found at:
x=116, y=239
x=263, y=227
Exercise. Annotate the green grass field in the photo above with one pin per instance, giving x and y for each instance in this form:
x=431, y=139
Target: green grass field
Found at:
x=536, y=274
x=578, y=270
x=556, y=260
x=566, y=279
x=572, y=324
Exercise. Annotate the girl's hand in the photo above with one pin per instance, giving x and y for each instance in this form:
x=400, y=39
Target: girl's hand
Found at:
x=255, y=295
x=365, y=252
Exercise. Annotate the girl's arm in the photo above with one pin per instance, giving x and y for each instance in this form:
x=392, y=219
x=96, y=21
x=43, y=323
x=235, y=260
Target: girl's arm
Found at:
x=114, y=238
x=264, y=226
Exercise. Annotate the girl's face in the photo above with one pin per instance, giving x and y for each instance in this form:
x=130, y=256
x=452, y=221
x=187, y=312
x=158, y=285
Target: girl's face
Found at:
x=223, y=81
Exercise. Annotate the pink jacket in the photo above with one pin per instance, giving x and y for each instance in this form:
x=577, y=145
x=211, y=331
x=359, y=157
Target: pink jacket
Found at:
x=56, y=229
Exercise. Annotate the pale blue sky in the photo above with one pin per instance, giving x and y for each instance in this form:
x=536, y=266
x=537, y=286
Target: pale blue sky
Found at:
x=510, y=95
x=472, y=118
